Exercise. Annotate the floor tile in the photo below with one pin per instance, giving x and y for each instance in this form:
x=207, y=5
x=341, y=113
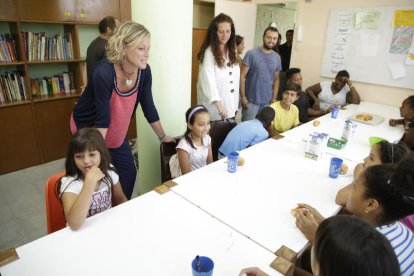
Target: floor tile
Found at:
x=12, y=235
x=33, y=225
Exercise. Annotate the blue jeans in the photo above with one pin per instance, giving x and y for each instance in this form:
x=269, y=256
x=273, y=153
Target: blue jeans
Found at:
x=251, y=111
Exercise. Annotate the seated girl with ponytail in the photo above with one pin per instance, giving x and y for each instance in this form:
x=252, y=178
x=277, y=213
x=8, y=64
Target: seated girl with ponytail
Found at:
x=381, y=195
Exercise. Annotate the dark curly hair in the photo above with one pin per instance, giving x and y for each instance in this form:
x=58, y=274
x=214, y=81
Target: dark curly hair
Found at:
x=393, y=187
x=212, y=40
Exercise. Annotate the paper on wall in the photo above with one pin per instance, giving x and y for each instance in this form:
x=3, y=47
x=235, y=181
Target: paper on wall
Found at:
x=397, y=70
x=410, y=56
x=344, y=22
x=369, y=44
x=367, y=20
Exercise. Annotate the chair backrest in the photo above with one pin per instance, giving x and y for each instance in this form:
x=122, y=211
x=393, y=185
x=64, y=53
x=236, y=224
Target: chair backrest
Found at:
x=166, y=151
x=55, y=216
x=218, y=133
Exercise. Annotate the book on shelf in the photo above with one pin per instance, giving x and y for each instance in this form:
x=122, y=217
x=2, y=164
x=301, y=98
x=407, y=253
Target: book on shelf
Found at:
x=49, y=86
x=41, y=47
x=8, y=51
x=12, y=87
x=61, y=84
x=71, y=83
x=66, y=82
x=4, y=50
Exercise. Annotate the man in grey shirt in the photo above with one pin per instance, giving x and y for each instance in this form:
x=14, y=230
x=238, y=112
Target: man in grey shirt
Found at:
x=259, y=76
x=96, y=50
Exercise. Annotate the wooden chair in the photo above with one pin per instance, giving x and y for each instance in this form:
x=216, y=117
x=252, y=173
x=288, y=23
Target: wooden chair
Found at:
x=55, y=216
x=166, y=151
x=218, y=133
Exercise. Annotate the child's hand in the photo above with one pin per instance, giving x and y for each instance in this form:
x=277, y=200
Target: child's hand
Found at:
x=318, y=217
x=252, y=271
x=307, y=223
x=393, y=122
x=94, y=175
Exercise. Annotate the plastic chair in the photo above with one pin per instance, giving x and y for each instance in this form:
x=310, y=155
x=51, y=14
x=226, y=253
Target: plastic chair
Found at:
x=166, y=151
x=218, y=133
x=55, y=216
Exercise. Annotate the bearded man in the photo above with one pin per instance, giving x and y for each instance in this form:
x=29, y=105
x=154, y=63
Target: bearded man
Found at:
x=259, y=76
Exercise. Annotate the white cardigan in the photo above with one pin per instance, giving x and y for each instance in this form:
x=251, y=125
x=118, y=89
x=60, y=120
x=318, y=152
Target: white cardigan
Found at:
x=218, y=84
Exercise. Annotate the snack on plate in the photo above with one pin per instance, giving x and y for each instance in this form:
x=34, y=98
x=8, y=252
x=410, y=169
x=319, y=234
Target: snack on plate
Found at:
x=240, y=161
x=364, y=117
x=344, y=169
x=316, y=123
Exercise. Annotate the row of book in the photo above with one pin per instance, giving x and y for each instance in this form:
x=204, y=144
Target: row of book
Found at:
x=40, y=47
x=60, y=84
x=12, y=87
x=8, y=51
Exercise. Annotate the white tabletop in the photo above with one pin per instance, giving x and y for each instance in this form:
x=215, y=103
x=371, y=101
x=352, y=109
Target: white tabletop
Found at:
x=243, y=217
x=359, y=146
x=258, y=198
x=150, y=235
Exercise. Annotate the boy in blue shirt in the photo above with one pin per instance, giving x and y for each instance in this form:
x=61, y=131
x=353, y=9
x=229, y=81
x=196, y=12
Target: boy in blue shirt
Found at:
x=248, y=133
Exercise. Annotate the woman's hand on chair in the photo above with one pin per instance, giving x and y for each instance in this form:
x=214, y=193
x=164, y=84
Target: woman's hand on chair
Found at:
x=167, y=139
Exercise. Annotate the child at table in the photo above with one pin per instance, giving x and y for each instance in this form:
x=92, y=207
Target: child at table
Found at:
x=346, y=245
x=381, y=153
x=248, y=133
x=194, y=149
x=381, y=195
x=287, y=114
x=90, y=182
x=407, y=114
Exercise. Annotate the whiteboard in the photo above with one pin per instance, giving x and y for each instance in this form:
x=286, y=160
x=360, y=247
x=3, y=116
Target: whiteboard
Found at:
x=359, y=40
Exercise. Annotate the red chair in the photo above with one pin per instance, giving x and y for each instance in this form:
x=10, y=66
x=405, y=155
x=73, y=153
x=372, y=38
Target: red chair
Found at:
x=55, y=216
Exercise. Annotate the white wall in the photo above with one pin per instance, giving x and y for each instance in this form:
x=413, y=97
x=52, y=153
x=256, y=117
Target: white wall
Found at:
x=170, y=24
x=244, y=18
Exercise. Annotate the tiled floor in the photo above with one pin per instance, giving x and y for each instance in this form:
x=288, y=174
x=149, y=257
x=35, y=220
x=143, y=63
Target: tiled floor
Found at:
x=22, y=204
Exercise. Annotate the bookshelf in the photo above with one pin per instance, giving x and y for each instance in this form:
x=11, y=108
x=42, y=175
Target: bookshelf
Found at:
x=35, y=127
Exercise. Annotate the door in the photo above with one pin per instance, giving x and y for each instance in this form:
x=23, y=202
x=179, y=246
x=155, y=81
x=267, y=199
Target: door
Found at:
x=198, y=38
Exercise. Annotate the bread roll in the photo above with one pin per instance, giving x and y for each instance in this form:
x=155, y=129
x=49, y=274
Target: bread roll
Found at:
x=295, y=211
x=344, y=169
x=240, y=161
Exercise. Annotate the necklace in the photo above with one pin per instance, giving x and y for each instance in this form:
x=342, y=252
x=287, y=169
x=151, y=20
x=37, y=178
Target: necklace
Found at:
x=128, y=76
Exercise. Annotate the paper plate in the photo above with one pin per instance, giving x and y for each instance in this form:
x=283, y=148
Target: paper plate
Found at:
x=367, y=118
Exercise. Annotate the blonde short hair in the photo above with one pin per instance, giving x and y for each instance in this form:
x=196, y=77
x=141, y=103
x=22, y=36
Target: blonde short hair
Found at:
x=129, y=34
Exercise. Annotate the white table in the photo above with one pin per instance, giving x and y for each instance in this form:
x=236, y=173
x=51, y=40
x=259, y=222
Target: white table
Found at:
x=258, y=198
x=359, y=146
x=150, y=235
x=242, y=217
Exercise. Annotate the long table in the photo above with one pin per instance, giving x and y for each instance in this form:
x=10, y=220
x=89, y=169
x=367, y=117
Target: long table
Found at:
x=238, y=219
x=258, y=198
x=150, y=235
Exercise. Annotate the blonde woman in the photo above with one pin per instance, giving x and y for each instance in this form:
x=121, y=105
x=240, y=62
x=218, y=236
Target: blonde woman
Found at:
x=118, y=84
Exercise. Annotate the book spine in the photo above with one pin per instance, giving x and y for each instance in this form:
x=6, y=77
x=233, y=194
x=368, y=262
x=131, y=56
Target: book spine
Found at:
x=72, y=83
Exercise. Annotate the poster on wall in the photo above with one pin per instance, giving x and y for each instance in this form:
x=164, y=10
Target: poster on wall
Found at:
x=375, y=45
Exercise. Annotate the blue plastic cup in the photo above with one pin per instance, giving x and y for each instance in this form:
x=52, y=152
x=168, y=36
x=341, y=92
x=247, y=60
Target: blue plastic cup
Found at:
x=335, y=167
x=334, y=113
x=232, y=161
x=205, y=268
